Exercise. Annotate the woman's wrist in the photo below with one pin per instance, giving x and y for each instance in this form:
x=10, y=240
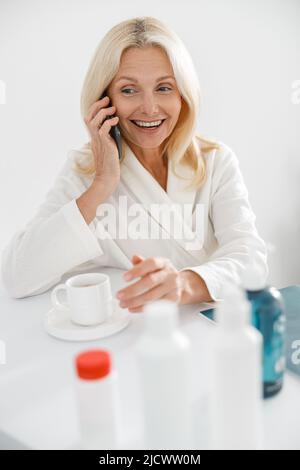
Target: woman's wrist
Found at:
x=194, y=288
x=88, y=202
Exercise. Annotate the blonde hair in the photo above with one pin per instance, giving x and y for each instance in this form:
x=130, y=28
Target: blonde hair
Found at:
x=181, y=146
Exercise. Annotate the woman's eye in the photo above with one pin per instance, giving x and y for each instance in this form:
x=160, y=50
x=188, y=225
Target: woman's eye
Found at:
x=129, y=89
x=165, y=87
x=126, y=89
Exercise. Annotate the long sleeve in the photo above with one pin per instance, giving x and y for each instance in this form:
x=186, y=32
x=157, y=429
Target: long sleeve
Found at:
x=234, y=228
x=54, y=242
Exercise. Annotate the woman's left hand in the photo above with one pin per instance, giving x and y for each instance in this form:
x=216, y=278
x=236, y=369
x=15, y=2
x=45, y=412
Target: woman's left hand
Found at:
x=159, y=280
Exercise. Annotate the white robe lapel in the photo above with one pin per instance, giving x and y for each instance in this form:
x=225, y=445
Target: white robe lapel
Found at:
x=148, y=191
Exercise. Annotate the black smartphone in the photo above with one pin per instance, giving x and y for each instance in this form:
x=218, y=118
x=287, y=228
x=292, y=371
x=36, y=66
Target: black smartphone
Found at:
x=115, y=130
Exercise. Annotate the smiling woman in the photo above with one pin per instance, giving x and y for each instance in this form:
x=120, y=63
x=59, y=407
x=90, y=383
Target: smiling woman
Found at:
x=151, y=93
x=147, y=103
x=149, y=76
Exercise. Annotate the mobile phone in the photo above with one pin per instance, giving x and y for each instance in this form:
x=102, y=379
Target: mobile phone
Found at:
x=115, y=132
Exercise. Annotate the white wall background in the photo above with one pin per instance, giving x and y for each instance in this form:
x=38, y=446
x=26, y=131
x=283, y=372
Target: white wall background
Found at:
x=247, y=54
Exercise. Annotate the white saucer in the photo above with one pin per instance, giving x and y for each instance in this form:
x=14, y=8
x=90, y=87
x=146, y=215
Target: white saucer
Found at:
x=58, y=323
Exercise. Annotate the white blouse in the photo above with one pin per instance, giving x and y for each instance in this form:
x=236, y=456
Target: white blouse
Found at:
x=219, y=226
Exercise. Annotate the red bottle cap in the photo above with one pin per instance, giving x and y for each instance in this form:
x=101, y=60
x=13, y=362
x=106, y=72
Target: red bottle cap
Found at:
x=93, y=364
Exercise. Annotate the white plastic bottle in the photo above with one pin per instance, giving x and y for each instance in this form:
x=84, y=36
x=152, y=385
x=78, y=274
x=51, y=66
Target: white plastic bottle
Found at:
x=235, y=376
x=98, y=400
x=164, y=365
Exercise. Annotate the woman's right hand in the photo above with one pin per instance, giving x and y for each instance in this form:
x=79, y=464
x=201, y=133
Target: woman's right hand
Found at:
x=104, y=148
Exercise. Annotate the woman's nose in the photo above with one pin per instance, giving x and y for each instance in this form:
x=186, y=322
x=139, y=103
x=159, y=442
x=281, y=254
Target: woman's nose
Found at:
x=149, y=105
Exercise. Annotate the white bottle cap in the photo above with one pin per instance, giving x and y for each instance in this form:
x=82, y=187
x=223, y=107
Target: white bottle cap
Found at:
x=252, y=277
x=235, y=309
x=161, y=316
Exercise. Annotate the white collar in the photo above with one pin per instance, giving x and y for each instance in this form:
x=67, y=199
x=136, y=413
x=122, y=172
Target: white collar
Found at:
x=148, y=191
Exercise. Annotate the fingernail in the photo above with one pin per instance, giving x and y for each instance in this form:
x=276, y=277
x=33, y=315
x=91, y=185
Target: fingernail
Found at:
x=127, y=276
x=120, y=295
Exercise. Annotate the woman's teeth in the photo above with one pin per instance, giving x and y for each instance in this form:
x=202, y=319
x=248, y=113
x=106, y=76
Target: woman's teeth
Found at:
x=148, y=124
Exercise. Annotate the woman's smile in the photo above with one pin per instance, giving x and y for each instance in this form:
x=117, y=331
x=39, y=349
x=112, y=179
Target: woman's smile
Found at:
x=149, y=130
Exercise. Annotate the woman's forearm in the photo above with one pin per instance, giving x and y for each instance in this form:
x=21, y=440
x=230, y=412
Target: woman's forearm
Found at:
x=194, y=288
x=88, y=202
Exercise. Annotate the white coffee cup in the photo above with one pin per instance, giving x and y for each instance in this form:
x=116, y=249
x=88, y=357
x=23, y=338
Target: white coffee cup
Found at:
x=89, y=298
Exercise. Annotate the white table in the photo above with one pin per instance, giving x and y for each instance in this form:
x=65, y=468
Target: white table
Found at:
x=38, y=405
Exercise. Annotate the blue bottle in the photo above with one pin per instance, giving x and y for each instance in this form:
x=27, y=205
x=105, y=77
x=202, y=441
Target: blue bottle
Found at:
x=268, y=316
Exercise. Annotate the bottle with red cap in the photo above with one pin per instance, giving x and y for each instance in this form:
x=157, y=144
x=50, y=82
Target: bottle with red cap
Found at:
x=98, y=400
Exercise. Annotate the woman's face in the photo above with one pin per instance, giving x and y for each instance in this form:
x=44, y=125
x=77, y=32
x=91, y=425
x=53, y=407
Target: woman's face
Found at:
x=145, y=96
